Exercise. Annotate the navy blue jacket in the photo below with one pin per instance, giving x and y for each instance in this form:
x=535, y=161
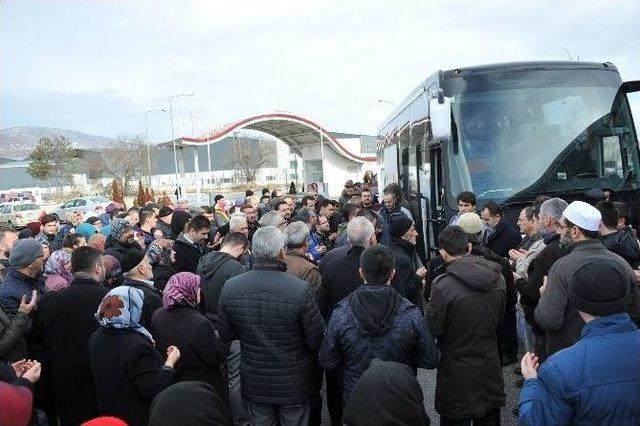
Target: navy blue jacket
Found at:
x=14, y=286
x=350, y=344
x=595, y=381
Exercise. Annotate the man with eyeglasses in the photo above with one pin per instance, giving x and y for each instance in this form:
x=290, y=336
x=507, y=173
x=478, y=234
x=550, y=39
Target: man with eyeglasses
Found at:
x=529, y=287
x=578, y=229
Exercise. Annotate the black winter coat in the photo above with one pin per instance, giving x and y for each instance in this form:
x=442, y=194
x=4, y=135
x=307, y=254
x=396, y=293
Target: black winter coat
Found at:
x=340, y=280
x=128, y=372
x=624, y=245
x=464, y=313
x=215, y=269
x=117, y=249
x=161, y=274
x=187, y=255
x=405, y=281
x=504, y=238
x=151, y=302
x=62, y=325
x=277, y=320
x=201, y=353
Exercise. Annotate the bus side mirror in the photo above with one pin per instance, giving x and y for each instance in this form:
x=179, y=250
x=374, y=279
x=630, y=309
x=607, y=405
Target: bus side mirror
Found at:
x=440, y=118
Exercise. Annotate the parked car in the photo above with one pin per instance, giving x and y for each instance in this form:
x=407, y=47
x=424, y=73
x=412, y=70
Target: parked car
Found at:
x=81, y=204
x=18, y=215
x=19, y=200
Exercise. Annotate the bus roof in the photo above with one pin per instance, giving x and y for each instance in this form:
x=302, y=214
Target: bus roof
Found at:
x=438, y=76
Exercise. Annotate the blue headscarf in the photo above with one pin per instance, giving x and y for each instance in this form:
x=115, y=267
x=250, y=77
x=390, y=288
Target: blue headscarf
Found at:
x=122, y=308
x=85, y=229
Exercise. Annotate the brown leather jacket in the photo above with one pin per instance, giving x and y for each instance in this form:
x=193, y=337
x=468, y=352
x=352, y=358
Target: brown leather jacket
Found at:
x=299, y=265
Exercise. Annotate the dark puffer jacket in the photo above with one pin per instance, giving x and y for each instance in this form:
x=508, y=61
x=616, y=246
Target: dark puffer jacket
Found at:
x=624, y=245
x=464, y=313
x=376, y=322
x=215, y=269
x=276, y=318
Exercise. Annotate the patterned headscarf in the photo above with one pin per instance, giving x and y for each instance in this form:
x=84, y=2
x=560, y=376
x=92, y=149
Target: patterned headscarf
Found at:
x=119, y=227
x=182, y=289
x=55, y=264
x=121, y=308
x=112, y=270
x=221, y=206
x=160, y=251
x=97, y=241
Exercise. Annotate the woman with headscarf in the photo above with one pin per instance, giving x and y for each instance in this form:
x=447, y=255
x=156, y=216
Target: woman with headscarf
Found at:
x=57, y=271
x=98, y=242
x=206, y=408
x=221, y=212
x=178, y=221
x=180, y=322
x=387, y=394
x=85, y=229
x=128, y=370
x=112, y=272
x=162, y=257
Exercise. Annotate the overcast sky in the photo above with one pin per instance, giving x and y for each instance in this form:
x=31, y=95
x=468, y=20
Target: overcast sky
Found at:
x=97, y=66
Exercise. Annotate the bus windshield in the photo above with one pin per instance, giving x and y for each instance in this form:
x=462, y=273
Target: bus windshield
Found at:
x=510, y=137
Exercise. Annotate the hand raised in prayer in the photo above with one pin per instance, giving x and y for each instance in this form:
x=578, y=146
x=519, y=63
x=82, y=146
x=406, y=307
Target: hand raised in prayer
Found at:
x=25, y=307
x=33, y=373
x=529, y=366
x=173, y=355
x=543, y=288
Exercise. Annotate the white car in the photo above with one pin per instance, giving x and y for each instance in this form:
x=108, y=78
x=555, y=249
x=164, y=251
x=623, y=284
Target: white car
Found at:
x=18, y=215
x=19, y=200
x=95, y=203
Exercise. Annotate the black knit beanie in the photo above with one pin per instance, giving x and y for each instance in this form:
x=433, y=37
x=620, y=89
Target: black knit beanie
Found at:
x=399, y=225
x=600, y=288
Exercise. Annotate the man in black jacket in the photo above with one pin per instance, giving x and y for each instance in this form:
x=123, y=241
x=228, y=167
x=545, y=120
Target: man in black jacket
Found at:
x=277, y=320
x=622, y=243
x=500, y=236
x=138, y=273
x=217, y=267
x=339, y=280
x=409, y=269
x=464, y=314
x=529, y=287
x=189, y=244
x=63, y=323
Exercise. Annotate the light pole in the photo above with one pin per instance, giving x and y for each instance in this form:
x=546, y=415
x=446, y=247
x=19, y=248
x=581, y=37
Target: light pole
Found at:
x=146, y=137
x=173, y=139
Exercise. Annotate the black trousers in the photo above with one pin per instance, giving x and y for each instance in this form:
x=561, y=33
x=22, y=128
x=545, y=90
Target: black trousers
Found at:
x=492, y=418
x=334, y=395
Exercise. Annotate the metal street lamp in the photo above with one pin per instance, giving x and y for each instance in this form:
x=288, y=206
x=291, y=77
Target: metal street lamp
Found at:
x=173, y=138
x=146, y=137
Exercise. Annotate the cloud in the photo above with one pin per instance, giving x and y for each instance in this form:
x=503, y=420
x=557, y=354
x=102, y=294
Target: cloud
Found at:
x=327, y=60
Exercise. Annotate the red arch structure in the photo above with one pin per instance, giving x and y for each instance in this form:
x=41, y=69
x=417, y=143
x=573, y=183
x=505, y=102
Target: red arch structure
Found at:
x=294, y=130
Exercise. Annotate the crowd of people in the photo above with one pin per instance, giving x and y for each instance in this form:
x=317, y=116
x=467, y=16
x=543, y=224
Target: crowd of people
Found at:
x=252, y=311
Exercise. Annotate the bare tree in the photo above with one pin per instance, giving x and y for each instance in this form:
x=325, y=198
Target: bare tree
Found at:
x=125, y=158
x=249, y=157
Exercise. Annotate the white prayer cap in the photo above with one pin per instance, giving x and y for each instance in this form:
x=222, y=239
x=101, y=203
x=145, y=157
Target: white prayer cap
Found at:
x=583, y=215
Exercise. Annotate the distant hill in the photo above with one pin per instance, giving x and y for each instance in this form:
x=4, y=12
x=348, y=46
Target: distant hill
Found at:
x=16, y=143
